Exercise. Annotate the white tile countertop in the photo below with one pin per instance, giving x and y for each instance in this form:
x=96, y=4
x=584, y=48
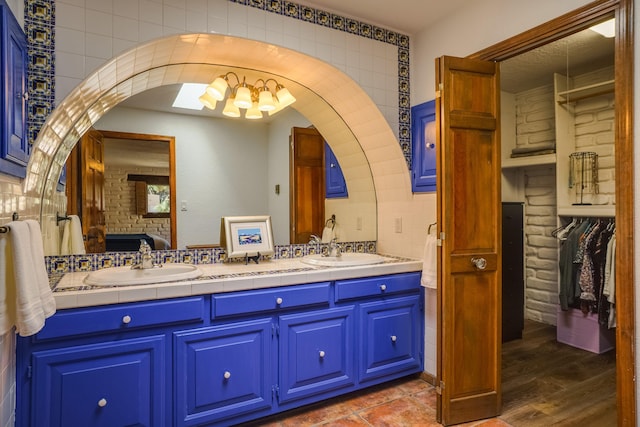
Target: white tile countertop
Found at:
x=71, y=292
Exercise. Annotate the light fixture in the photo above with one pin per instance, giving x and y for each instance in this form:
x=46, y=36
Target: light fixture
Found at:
x=606, y=28
x=255, y=99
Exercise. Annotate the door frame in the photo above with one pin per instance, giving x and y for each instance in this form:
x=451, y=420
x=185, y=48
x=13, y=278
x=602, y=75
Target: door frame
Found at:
x=172, y=171
x=558, y=28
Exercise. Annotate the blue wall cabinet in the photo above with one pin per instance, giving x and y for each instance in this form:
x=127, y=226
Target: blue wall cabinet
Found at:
x=14, y=144
x=423, y=143
x=108, y=384
x=335, y=185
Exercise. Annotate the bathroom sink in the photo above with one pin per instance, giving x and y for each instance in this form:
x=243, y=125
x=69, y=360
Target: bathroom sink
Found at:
x=126, y=276
x=348, y=259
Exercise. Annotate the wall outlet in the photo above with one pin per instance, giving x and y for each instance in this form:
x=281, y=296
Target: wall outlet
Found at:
x=183, y=205
x=398, y=225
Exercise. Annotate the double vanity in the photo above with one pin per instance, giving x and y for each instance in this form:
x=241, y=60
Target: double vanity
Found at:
x=228, y=344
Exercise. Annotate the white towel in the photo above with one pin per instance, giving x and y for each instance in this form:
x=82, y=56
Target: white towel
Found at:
x=72, y=242
x=51, y=237
x=429, y=277
x=27, y=299
x=328, y=234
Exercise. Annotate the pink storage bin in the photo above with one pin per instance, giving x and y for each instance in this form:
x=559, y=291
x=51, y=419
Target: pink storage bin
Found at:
x=583, y=331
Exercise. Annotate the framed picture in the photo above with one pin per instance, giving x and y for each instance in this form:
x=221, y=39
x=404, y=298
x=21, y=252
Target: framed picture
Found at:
x=246, y=236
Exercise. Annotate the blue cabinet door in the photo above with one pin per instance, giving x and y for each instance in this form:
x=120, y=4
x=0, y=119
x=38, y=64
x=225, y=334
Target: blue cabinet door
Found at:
x=102, y=385
x=390, y=338
x=316, y=353
x=335, y=184
x=423, y=143
x=14, y=147
x=222, y=372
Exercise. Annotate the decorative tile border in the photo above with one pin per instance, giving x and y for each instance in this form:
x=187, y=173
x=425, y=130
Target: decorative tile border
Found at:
x=61, y=264
x=39, y=26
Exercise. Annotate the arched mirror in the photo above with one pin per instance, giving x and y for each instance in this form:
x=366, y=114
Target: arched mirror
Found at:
x=267, y=143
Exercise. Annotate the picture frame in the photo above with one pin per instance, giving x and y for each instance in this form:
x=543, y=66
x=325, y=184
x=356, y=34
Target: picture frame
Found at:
x=247, y=236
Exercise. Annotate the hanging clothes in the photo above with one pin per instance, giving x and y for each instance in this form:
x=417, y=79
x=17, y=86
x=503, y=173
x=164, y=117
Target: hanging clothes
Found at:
x=586, y=262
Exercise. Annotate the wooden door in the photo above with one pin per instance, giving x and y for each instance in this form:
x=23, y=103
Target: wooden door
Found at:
x=306, y=186
x=92, y=202
x=469, y=222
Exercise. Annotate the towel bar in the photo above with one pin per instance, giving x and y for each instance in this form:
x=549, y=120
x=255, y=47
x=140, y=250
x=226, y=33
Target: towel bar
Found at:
x=4, y=229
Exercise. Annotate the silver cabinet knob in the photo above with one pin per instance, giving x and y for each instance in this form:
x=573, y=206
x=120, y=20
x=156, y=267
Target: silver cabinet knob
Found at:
x=394, y=338
x=479, y=263
x=383, y=287
x=278, y=300
x=227, y=375
x=102, y=402
x=322, y=353
x=126, y=319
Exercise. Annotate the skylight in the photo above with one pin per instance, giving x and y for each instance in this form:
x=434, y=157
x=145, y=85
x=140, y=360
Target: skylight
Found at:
x=188, y=96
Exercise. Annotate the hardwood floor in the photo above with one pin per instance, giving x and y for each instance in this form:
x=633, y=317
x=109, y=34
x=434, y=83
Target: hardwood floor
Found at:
x=544, y=383
x=548, y=383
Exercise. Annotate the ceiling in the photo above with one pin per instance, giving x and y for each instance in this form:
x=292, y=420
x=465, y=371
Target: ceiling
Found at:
x=578, y=53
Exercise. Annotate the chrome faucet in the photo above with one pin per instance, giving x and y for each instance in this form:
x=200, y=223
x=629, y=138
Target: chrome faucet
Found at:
x=314, y=239
x=146, y=258
x=334, y=249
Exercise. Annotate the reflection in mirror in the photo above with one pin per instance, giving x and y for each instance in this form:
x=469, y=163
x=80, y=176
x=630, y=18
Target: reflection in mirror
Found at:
x=223, y=167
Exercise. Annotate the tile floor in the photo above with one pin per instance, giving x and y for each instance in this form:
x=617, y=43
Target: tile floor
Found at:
x=409, y=402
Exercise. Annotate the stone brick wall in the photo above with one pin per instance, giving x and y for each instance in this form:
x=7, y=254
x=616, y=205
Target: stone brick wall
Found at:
x=535, y=123
x=120, y=203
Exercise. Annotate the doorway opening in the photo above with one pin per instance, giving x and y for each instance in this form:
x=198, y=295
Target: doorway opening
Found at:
x=569, y=24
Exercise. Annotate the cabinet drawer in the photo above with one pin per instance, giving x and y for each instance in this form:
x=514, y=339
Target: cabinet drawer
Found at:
x=377, y=286
x=122, y=317
x=270, y=299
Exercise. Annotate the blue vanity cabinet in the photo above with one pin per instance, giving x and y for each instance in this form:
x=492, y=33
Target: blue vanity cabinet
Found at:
x=389, y=336
x=316, y=353
x=219, y=359
x=390, y=329
x=102, y=366
x=14, y=145
x=108, y=384
x=223, y=372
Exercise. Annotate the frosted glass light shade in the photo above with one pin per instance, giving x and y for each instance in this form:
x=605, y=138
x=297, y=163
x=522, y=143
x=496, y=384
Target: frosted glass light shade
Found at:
x=218, y=88
x=253, y=112
x=243, y=97
x=265, y=101
x=284, y=97
x=208, y=101
x=230, y=110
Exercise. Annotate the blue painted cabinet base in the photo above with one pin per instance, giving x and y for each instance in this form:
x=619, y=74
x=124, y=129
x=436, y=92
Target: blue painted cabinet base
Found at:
x=220, y=359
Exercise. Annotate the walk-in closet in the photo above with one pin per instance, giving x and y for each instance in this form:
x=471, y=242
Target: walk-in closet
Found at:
x=558, y=193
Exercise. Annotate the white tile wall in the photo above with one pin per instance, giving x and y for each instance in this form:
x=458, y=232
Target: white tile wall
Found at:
x=91, y=32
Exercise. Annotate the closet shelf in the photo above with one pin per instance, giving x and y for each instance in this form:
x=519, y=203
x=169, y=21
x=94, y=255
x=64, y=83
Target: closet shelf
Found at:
x=587, y=211
x=573, y=95
x=518, y=162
